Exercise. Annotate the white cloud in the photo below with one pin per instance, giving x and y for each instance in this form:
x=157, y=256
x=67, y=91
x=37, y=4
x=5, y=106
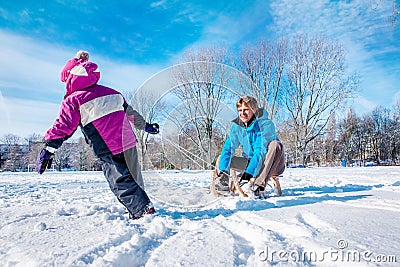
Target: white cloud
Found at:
x=24, y=117
x=30, y=67
x=231, y=28
x=124, y=77
x=158, y=3
x=364, y=31
x=396, y=98
x=362, y=105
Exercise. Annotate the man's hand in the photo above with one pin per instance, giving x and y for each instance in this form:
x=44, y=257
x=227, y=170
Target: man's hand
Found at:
x=246, y=177
x=152, y=128
x=44, y=160
x=223, y=174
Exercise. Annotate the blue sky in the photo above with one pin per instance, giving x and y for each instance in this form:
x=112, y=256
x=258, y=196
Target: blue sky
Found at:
x=132, y=40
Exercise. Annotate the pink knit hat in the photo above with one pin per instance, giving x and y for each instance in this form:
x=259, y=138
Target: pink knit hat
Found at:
x=81, y=56
x=82, y=76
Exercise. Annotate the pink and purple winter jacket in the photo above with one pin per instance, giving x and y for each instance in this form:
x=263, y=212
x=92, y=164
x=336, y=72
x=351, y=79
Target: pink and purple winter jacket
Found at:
x=102, y=113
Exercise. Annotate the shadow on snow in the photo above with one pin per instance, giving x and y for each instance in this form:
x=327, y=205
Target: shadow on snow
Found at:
x=320, y=194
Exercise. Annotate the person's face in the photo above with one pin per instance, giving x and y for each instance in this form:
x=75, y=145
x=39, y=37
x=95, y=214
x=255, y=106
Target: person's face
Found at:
x=245, y=113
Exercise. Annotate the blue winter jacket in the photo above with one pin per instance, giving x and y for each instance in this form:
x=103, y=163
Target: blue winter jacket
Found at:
x=254, y=140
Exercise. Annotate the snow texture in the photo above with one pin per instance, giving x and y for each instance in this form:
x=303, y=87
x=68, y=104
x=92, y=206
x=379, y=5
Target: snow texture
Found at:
x=325, y=217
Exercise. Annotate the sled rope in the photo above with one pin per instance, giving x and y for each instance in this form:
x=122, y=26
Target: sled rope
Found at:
x=186, y=152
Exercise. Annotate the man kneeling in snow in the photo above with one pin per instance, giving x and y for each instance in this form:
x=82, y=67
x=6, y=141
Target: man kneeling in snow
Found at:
x=262, y=157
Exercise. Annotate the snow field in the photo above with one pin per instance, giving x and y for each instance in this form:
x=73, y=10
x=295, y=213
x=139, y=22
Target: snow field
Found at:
x=325, y=217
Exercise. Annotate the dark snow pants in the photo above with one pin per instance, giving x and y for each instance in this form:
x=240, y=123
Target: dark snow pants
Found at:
x=123, y=174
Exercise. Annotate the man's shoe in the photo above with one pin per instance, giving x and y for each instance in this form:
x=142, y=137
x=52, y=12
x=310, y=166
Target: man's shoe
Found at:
x=222, y=184
x=257, y=190
x=245, y=177
x=275, y=180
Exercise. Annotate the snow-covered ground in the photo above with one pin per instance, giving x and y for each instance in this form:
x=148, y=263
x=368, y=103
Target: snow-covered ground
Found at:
x=326, y=217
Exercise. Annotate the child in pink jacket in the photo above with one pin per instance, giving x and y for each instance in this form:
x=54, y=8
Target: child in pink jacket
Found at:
x=106, y=121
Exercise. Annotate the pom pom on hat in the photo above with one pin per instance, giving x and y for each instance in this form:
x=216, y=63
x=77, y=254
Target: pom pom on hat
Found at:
x=81, y=56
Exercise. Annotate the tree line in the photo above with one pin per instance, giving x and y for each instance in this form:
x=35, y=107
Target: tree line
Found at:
x=360, y=140
x=20, y=154
x=301, y=81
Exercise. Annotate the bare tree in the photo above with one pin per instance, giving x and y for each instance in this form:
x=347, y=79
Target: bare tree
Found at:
x=394, y=137
x=316, y=86
x=12, y=156
x=10, y=139
x=201, y=94
x=395, y=10
x=150, y=107
x=331, y=135
x=14, y=161
x=350, y=139
x=62, y=156
x=379, y=124
x=35, y=144
x=82, y=157
x=373, y=137
x=288, y=136
x=264, y=65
